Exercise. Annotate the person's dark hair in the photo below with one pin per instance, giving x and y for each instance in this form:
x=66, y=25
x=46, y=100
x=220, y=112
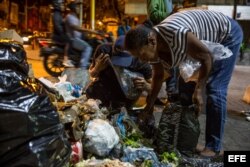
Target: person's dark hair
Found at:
x=72, y=6
x=136, y=38
x=148, y=23
x=56, y=5
x=125, y=20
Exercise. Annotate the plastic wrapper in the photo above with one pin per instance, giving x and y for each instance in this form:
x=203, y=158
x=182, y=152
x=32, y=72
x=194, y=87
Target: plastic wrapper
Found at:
x=126, y=80
x=135, y=155
x=124, y=125
x=72, y=124
x=65, y=89
x=189, y=69
x=103, y=163
x=77, y=76
x=31, y=134
x=77, y=152
x=100, y=137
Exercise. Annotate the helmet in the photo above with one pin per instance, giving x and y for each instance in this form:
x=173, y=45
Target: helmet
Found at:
x=56, y=4
x=72, y=5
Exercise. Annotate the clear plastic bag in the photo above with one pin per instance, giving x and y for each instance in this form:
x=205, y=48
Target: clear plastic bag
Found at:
x=189, y=69
x=126, y=80
x=100, y=137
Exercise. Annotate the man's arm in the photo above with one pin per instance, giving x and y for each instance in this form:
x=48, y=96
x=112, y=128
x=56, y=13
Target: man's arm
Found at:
x=158, y=78
x=101, y=58
x=197, y=50
x=83, y=30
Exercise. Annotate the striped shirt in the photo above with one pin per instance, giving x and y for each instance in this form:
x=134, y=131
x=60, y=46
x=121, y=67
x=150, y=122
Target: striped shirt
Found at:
x=205, y=25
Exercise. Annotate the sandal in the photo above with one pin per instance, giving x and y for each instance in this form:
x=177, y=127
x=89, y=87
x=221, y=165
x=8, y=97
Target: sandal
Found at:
x=207, y=153
x=199, y=148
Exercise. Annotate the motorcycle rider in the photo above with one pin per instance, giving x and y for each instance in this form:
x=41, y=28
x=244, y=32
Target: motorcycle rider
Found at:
x=74, y=30
x=59, y=36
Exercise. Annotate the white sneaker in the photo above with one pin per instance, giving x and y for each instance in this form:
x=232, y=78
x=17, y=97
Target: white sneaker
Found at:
x=68, y=63
x=248, y=118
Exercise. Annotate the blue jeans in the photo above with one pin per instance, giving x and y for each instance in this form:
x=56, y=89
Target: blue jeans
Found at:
x=172, y=85
x=217, y=86
x=86, y=55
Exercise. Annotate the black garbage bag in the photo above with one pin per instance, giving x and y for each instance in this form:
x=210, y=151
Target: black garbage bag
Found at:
x=178, y=128
x=189, y=130
x=197, y=161
x=167, y=132
x=30, y=131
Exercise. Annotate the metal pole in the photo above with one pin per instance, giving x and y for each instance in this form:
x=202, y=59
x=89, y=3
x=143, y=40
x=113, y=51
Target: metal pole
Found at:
x=92, y=14
x=235, y=9
x=26, y=14
x=80, y=16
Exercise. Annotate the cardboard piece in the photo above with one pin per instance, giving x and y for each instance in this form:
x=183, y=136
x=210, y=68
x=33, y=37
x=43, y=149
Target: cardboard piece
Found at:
x=11, y=35
x=246, y=97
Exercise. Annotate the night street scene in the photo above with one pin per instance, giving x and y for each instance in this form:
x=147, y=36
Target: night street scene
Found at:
x=125, y=83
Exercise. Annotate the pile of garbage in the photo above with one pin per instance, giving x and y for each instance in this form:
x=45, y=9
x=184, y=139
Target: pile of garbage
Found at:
x=46, y=123
x=100, y=137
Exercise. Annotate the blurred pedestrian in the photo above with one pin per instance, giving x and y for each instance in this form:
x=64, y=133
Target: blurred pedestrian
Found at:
x=123, y=28
x=158, y=10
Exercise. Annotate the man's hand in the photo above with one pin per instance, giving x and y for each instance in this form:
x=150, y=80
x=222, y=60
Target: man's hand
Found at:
x=101, y=62
x=141, y=84
x=198, y=98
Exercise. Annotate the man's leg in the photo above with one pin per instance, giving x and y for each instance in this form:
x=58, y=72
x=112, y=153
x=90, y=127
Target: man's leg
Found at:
x=86, y=55
x=217, y=87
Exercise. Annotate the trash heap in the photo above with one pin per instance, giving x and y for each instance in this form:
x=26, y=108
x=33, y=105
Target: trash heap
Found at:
x=46, y=123
x=100, y=137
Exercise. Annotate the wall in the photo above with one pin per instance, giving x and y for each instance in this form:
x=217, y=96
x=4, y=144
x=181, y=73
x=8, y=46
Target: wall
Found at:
x=228, y=10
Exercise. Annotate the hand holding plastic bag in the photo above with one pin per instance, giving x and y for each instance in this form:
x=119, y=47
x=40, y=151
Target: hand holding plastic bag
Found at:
x=141, y=84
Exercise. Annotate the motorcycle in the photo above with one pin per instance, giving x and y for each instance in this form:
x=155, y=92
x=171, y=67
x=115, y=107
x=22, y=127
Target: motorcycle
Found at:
x=53, y=53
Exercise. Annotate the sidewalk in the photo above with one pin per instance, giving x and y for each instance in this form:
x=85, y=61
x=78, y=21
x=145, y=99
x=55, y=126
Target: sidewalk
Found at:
x=32, y=54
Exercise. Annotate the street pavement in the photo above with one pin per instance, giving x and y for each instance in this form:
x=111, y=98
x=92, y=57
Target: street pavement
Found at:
x=237, y=128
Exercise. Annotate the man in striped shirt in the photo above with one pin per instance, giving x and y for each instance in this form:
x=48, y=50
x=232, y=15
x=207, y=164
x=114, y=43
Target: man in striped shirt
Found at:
x=176, y=38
